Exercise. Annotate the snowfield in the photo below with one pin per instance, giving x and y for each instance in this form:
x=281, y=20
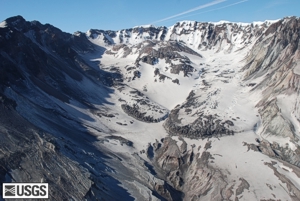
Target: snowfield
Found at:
x=224, y=93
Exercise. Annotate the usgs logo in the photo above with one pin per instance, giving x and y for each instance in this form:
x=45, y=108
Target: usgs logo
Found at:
x=25, y=190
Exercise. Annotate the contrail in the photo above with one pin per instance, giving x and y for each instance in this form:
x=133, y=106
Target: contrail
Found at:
x=191, y=10
x=215, y=9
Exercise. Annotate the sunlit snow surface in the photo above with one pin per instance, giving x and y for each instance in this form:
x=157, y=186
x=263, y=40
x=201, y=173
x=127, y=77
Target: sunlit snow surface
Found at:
x=3, y=24
x=234, y=98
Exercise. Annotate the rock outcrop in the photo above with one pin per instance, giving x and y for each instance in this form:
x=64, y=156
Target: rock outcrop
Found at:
x=191, y=172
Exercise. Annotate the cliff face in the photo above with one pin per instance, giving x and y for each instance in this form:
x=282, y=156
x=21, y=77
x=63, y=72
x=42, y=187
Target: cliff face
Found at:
x=273, y=62
x=222, y=36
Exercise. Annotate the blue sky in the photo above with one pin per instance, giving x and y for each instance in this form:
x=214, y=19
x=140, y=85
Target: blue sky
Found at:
x=79, y=15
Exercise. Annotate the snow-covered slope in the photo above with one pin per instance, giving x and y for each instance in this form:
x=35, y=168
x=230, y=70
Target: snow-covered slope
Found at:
x=213, y=99
x=196, y=111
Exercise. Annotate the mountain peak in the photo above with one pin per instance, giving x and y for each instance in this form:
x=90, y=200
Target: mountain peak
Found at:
x=15, y=20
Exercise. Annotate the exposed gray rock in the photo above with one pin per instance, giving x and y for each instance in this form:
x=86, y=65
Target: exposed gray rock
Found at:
x=274, y=150
x=204, y=126
x=176, y=81
x=168, y=52
x=121, y=140
x=190, y=173
x=294, y=191
x=29, y=154
x=134, y=112
x=243, y=185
